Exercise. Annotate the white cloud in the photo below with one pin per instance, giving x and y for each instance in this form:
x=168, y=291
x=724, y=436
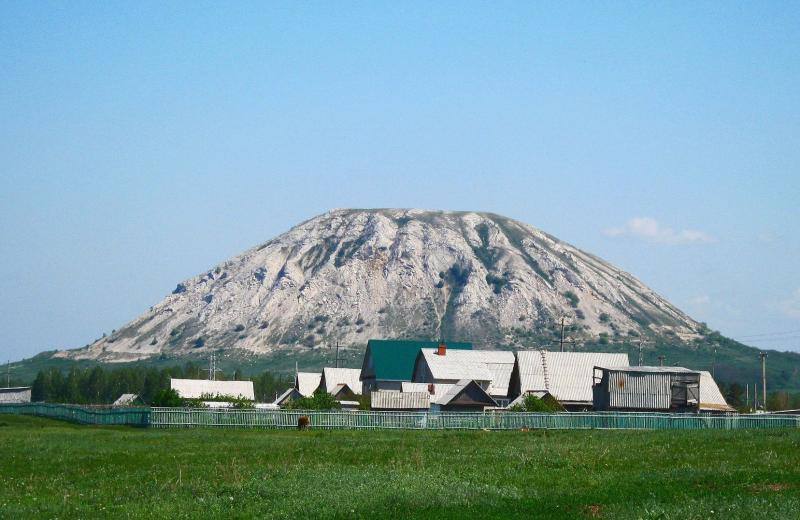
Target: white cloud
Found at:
x=649, y=229
x=791, y=306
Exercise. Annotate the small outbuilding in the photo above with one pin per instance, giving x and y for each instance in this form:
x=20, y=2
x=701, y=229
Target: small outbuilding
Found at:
x=15, y=395
x=644, y=388
x=400, y=401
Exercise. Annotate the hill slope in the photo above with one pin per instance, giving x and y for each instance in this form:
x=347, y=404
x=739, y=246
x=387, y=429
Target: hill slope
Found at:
x=349, y=275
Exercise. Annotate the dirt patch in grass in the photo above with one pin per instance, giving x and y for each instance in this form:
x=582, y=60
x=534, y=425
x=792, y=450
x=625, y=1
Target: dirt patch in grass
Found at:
x=775, y=488
x=594, y=510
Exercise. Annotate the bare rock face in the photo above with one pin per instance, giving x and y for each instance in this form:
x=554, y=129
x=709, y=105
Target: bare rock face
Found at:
x=350, y=275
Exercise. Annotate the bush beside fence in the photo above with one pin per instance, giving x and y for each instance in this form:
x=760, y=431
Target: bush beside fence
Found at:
x=361, y=420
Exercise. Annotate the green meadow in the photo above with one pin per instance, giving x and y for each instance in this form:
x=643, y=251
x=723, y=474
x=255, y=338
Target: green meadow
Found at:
x=51, y=469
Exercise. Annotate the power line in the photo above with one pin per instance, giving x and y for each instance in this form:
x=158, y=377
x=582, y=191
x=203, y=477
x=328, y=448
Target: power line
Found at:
x=745, y=336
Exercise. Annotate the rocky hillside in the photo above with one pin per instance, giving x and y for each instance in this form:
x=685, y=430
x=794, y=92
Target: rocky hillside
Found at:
x=350, y=275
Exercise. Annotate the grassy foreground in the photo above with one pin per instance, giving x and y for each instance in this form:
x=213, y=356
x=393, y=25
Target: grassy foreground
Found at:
x=50, y=469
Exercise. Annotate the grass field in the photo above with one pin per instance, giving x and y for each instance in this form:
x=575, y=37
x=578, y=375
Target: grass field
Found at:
x=51, y=469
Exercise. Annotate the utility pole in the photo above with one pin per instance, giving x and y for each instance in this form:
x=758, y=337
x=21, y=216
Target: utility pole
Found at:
x=714, y=363
x=336, y=361
x=763, y=356
x=747, y=396
x=562, y=335
x=641, y=358
x=661, y=360
x=212, y=368
x=755, y=397
x=8, y=374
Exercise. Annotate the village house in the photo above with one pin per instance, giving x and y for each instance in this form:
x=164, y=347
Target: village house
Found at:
x=387, y=363
x=306, y=383
x=490, y=369
x=567, y=376
x=198, y=388
x=344, y=384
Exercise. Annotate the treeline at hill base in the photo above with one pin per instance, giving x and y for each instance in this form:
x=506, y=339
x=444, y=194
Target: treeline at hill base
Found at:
x=99, y=385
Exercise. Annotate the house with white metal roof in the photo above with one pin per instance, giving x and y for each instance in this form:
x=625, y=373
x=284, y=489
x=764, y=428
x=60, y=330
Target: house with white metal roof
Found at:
x=389, y=363
x=307, y=382
x=567, y=376
x=334, y=380
x=197, y=388
x=491, y=369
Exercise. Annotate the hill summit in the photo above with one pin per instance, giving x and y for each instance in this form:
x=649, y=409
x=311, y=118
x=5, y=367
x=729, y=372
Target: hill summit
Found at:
x=349, y=275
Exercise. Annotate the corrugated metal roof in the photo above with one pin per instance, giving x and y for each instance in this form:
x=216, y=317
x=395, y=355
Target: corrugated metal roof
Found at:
x=307, y=383
x=125, y=399
x=457, y=388
x=196, y=388
x=407, y=386
x=439, y=389
x=286, y=395
x=494, y=366
x=568, y=376
x=333, y=377
x=652, y=370
x=393, y=359
x=711, y=398
x=400, y=400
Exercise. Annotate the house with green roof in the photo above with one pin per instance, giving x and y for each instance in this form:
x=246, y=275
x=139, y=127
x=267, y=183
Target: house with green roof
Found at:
x=389, y=362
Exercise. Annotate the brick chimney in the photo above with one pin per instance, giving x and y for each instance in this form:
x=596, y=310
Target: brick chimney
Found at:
x=442, y=350
x=431, y=388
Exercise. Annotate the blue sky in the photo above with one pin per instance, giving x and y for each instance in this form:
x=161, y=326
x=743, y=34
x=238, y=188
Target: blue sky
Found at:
x=142, y=143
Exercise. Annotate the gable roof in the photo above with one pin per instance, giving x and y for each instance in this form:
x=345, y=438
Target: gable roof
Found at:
x=333, y=377
x=439, y=389
x=290, y=394
x=455, y=391
x=125, y=400
x=494, y=366
x=567, y=376
x=307, y=382
x=393, y=359
x=196, y=388
x=400, y=400
x=343, y=391
x=710, y=396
